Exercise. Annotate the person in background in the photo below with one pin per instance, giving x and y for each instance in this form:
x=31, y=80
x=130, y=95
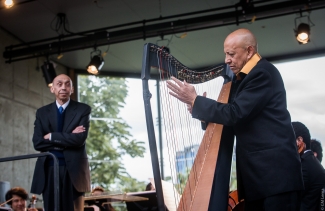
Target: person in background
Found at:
x=269, y=173
x=150, y=187
x=19, y=198
x=97, y=191
x=316, y=147
x=61, y=128
x=313, y=171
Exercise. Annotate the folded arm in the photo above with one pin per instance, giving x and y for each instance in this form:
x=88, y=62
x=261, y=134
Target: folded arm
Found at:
x=77, y=137
x=40, y=143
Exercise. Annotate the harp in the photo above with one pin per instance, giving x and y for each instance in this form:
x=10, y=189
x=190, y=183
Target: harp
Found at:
x=207, y=185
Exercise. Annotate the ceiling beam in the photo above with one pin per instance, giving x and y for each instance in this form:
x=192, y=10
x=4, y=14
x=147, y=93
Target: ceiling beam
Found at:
x=16, y=4
x=274, y=59
x=99, y=38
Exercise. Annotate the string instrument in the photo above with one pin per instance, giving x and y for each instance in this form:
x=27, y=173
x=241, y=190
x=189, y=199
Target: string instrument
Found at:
x=2, y=204
x=202, y=181
x=33, y=201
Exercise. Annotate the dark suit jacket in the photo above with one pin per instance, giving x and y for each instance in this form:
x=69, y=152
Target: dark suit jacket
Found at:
x=73, y=144
x=314, y=180
x=266, y=154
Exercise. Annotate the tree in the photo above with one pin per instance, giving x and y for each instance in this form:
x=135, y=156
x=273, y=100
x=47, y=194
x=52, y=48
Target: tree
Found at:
x=109, y=137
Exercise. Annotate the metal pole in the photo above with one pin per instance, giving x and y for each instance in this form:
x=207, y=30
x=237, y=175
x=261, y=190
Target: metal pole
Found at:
x=56, y=172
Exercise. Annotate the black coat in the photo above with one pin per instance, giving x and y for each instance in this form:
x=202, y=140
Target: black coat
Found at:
x=314, y=180
x=74, y=144
x=266, y=154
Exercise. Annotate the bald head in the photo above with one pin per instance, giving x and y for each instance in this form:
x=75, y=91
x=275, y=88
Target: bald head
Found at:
x=242, y=38
x=62, y=88
x=239, y=47
x=62, y=77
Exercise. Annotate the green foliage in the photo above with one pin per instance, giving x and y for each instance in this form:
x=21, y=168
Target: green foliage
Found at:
x=129, y=184
x=233, y=177
x=109, y=137
x=182, y=180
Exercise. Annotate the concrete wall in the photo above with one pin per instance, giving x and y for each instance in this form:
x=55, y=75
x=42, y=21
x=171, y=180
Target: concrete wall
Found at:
x=22, y=91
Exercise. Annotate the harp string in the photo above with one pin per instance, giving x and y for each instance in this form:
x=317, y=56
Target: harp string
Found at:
x=169, y=122
x=181, y=131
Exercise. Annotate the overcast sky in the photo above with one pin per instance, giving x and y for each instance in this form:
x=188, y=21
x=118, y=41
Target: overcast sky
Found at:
x=305, y=98
x=304, y=83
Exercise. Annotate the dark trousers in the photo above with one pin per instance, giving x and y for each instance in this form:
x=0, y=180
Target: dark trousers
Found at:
x=70, y=198
x=288, y=201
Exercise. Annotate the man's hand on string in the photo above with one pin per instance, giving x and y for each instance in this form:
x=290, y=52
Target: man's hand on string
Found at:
x=183, y=91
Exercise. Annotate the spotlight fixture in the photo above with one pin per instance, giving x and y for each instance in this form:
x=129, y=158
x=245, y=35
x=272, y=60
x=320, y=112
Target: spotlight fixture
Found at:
x=9, y=3
x=302, y=32
x=96, y=62
x=48, y=73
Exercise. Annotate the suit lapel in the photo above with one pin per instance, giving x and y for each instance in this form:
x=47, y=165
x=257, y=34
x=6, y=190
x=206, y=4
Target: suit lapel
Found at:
x=70, y=113
x=53, y=117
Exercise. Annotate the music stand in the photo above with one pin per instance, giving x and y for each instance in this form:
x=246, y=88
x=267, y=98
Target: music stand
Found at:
x=102, y=200
x=148, y=205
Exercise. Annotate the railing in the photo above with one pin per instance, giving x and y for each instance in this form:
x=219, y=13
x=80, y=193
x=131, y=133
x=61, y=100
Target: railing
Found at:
x=56, y=172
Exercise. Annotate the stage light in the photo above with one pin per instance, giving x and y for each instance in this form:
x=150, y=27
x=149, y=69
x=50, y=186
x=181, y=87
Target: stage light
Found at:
x=9, y=3
x=96, y=63
x=48, y=73
x=303, y=33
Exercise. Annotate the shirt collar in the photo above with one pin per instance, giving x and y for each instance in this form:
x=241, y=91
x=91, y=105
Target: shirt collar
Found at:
x=307, y=150
x=64, y=106
x=250, y=64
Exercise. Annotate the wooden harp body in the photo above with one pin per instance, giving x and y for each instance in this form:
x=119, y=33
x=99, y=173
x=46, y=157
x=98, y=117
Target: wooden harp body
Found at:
x=207, y=185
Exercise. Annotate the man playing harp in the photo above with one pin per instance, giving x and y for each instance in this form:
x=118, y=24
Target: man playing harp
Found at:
x=269, y=173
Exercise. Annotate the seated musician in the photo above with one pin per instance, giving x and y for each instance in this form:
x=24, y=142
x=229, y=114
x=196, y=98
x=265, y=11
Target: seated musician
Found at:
x=19, y=198
x=97, y=191
x=100, y=191
x=313, y=172
x=150, y=187
x=317, y=149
